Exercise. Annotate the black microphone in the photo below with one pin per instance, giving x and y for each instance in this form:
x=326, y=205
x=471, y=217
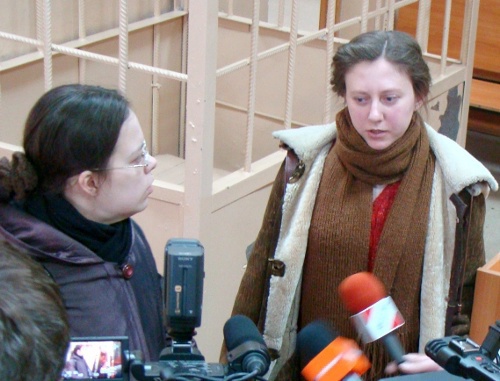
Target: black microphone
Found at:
x=247, y=351
x=325, y=356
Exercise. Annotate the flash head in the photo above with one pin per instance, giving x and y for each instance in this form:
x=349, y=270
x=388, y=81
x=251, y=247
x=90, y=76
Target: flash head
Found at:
x=184, y=275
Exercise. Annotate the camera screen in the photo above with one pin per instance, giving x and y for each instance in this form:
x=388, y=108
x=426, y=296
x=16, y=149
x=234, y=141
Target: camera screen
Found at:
x=96, y=358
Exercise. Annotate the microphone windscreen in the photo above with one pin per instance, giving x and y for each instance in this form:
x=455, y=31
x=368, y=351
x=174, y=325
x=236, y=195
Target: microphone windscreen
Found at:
x=361, y=290
x=326, y=356
x=312, y=339
x=240, y=329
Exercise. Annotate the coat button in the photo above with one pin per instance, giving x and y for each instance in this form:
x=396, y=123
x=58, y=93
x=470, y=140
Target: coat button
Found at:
x=127, y=271
x=277, y=267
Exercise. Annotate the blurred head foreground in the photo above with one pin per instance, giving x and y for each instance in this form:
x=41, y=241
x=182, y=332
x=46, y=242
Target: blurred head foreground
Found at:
x=33, y=325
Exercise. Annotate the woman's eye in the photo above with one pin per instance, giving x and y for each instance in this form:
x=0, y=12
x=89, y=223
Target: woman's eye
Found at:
x=391, y=98
x=139, y=159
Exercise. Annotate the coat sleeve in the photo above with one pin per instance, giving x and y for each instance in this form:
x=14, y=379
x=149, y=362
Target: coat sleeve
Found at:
x=252, y=293
x=475, y=250
x=250, y=297
x=475, y=259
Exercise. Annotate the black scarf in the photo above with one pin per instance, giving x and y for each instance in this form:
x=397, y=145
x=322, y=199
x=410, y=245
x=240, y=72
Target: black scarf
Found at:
x=110, y=242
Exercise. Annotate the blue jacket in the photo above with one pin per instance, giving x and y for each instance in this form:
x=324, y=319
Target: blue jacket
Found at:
x=99, y=300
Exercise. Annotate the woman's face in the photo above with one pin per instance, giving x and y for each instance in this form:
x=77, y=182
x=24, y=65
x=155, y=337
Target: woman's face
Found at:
x=380, y=100
x=124, y=190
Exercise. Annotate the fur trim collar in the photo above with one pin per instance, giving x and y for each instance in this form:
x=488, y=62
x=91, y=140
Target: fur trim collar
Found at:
x=460, y=168
x=455, y=170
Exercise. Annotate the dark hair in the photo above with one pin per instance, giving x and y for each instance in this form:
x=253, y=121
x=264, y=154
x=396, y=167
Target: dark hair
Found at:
x=76, y=349
x=396, y=47
x=70, y=129
x=34, y=329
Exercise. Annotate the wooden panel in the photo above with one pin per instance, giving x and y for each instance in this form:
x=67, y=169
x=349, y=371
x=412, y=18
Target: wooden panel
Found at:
x=486, y=62
x=323, y=10
x=484, y=121
x=484, y=112
x=485, y=94
x=407, y=21
x=486, y=309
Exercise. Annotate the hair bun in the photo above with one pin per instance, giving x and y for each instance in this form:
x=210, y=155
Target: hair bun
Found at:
x=17, y=178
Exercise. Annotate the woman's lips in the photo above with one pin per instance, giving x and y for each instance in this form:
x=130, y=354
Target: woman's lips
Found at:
x=376, y=133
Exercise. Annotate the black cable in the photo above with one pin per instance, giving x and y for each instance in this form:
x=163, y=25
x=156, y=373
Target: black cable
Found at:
x=241, y=376
x=236, y=376
x=192, y=377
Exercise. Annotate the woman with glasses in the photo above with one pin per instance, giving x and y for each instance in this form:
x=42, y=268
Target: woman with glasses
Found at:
x=68, y=200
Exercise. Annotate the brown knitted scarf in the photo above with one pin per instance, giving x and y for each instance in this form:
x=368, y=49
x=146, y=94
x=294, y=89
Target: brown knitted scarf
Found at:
x=340, y=229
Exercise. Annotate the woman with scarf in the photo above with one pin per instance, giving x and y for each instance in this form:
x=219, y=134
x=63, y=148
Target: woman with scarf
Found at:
x=370, y=192
x=67, y=201
x=78, y=365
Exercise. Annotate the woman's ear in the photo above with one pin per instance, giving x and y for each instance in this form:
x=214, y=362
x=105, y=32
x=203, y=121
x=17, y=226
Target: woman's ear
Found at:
x=88, y=182
x=418, y=104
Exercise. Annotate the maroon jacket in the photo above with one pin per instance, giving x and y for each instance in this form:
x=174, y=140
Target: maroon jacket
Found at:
x=100, y=301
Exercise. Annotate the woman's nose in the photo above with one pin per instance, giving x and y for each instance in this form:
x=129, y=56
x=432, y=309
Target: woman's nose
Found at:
x=375, y=111
x=151, y=164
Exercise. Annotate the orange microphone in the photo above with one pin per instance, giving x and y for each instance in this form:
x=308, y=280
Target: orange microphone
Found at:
x=325, y=356
x=375, y=315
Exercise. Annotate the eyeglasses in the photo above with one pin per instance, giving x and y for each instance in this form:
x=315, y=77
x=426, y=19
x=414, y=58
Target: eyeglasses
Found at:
x=143, y=161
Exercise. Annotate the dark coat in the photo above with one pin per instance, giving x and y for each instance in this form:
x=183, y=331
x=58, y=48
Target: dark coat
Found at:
x=99, y=300
x=79, y=365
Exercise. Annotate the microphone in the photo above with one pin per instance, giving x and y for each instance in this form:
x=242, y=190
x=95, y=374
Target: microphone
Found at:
x=375, y=315
x=324, y=355
x=246, y=349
